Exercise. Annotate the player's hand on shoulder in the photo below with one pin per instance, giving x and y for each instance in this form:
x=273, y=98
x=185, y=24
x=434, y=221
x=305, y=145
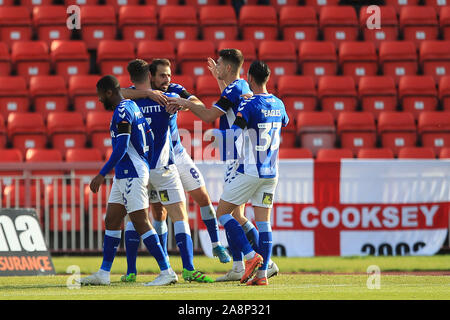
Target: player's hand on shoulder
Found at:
x=158, y=96
x=96, y=183
x=175, y=104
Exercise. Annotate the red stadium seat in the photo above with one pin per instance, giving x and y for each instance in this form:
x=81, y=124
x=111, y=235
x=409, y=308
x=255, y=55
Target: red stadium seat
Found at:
x=218, y=23
x=10, y=155
x=138, y=23
x=192, y=57
x=151, y=49
x=202, y=3
x=39, y=155
x=124, y=80
x=377, y=94
x=7, y=3
x=178, y=23
x=434, y=57
x=399, y=4
x=434, y=130
x=444, y=92
x=280, y=4
x=3, y=133
x=417, y=94
x=444, y=22
x=445, y=153
x=358, y=59
x=298, y=24
x=99, y=23
x=26, y=130
x=294, y=153
x=97, y=128
x=388, y=30
x=418, y=23
x=416, y=153
x=334, y=154
x=437, y=4
x=280, y=56
x=80, y=2
x=258, y=23
x=207, y=90
x=375, y=153
x=298, y=93
x=31, y=58
x=5, y=60
x=189, y=121
x=319, y=4
x=113, y=56
x=66, y=130
x=84, y=155
x=247, y=48
x=49, y=94
x=339, y=23
x=30, y=4
x=318, y=58
x=14, y=96
x=83, y=94
x=15, y=196
x=69, y=58
x=15, y=25
x=117, y=4
x=397, y=130
x=186, y=81
x=397, y=59
x=64, y=207
x=50, y=23
x=356, y=130
x=337, y=94
x=316, y=130
x=288, y=138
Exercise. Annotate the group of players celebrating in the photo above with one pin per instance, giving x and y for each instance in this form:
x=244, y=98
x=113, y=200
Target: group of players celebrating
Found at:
x=152, y=166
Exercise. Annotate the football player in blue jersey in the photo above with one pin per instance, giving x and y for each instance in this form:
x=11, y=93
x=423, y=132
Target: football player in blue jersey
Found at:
x=257, y=127
x=227, y=73
x=166, y=185
x=131, y=143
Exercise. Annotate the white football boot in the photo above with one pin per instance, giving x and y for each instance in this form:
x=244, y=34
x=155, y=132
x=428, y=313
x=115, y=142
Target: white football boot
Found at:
x=272, y=270
x=231, y=275
x=163, y=280
x=101, y=278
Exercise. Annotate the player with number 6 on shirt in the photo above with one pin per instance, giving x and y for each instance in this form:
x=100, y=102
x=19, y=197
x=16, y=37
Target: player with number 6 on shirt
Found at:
x=131, y=143
x=257, y=130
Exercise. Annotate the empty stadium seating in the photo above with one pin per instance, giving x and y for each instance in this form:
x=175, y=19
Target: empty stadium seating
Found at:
x=416, y=153
x=318, y=58
x=298, y=93
x=137, y=23
x=26, y=130
x=50, y=23
x=358, y=59
x=39, y=155
x=337, y=94
x=83, y=94
x=417, y=94
x=377, y=94
x=356, y=130
x=178, y=23
x=295, y=153
x=97, y=129
x=375, y=153
x=218, y=23
x=192, y=57
x=334, y=154
x=15, y=24
x=399, y=4
x=207, y=90
x=386, y=31
x=280, y=56
x=11, y=155
x=84, y=155
x=397, y=130
x=99, y=23
x=3, y=133
x=434, y=129
x=48, y=94
x=66, y=130
x=298, y=24
x=30, y=58
x=398, y=58
x=339, y=23
x=445, y=153
x=418, y=23
x=5, y=60
x=151, y=49
x=316, y=130
x=444, y=22
x=444, y=92
x=434, y=58
x=14, y=95
x=258, y=23
x=113, y=56
x=69, y=58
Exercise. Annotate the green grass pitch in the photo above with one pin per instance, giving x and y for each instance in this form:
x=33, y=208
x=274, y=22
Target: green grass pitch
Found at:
x=318, y=278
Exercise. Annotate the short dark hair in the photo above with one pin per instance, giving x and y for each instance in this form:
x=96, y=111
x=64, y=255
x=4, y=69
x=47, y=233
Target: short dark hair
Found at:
x=138, y=70
x=260, y=72
x=233, y=57
x=108, y=82
x=155, y=63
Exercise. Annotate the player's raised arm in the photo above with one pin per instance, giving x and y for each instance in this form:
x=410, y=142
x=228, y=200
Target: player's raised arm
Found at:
x=212, y=66
x=196, y=106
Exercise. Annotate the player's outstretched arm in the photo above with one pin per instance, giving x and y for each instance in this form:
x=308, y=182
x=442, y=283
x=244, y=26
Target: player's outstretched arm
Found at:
x=134, y=94
x=196, y=106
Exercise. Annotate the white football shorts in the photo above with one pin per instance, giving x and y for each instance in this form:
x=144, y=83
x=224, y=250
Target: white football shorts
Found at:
x=132, y=193
x=190, y=176
x=165, y=185
x=241, y=188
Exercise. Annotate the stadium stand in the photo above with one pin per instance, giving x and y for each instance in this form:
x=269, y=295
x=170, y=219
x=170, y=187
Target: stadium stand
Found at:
x=295, y=153
x=137, y=23
x=66, y=130
x=218, y=23
x=99, y=23
x=356, y=130
x=397, y=130
x=434, y=58
x=14, y=95
x=5, y=60
x=417, y=93
x=334, y=154
x=416, y=153
x=83, y=155
x=445, y=153
x=26, y=130
x=388, y=30
x=30, y=58
x=375, y=153
x=298, y=93
x=318, y=58
x=434, y=129
x=83, y=94
x=377, y=94
x=178, y=23
x=15, y=24
x=444, y=22
x=49, y=22
x=337, y=94
x=280, y=56
x=69, y=58
x=150, y=49
x=298, y=24
x=316, y=130
x=113, y=56
x=338, y=24
x=97, y=130
x=418, y=23
x=48, y=94
x=192, y=56
x=444, y=92
x=258, y=23
x=358, y=59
